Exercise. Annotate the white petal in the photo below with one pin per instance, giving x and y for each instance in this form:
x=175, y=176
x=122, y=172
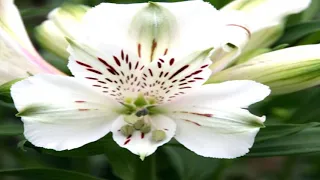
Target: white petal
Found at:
x=120, y=74
x=191, y=30
x=10, y=20
x=217, y=133
x=267, y=12
x=235, y=36
x=62, y=113
x=110, y=69
x=18, y=62
x=266, y=18
x=241, y=93
x=142, y=144
x=172, y=76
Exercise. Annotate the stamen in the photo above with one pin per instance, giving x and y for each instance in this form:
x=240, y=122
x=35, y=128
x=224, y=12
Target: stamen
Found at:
x=142, y=112
x=139, y=124
x=127, y=130
x=158, y=135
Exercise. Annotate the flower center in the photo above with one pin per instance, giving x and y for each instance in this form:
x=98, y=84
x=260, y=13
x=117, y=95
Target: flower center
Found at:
x=138, y=118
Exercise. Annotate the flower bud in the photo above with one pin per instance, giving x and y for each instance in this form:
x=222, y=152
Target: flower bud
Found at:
x=158, y=135
x=127, y=130
x=63, y=22
x=284, y=71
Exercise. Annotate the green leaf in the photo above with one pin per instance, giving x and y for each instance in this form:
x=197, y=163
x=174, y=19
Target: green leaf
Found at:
x=313, y=38
x=309, y=107
x=5, y=90
x=305, y=141
x=129, y=166
x=47, y=174
x=311, y=11
x=189, y=165
x=11, y=129
x=298, y=31
x=94, y=148
x=281, y=130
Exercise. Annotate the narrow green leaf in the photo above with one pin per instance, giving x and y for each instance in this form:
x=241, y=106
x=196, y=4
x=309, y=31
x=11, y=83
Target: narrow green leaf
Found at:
x=298, y=31
x=11, y=129
x=94, y=148
x=47, y=174
x=5, y=91
x=305, y=141
x=308, y=109
x=189, y=165
x=281, y=130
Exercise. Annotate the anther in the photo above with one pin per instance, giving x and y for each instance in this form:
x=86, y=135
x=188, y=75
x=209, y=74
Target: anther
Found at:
x=146, y=128
x=131, y=118
x=158, y=135
x=127, y=130
x=139, y=124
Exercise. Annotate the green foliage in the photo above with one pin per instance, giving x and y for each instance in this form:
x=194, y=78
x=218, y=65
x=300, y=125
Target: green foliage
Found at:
x=10, y=129
x=46, y=173
x=297, y=32
x=5, y=91
x=305, y=141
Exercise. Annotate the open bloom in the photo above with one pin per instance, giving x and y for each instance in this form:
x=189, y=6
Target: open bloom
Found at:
x=18, y=58
x=140, y=76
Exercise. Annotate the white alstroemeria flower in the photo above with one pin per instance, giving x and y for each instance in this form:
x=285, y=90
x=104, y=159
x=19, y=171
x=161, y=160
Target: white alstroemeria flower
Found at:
x=18, y=58
x=139, y=73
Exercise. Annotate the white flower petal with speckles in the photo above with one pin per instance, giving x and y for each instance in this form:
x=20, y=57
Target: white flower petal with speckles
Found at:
x=216, y=132
x=140, y=143
x=62, y=113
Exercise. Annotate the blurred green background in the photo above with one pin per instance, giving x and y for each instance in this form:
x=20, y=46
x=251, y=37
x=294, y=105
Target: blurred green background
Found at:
x=172, y=162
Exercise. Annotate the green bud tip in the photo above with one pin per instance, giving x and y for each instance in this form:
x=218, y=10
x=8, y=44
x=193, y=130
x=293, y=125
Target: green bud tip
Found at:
x=139, y=124
x=127, y=130
x=158, y=135
x=146, y=128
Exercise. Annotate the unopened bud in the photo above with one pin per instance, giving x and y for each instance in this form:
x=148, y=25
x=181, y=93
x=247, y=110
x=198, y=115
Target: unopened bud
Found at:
x=146, y=128
x=139, y=124
x=127, y=130
x=158, y=135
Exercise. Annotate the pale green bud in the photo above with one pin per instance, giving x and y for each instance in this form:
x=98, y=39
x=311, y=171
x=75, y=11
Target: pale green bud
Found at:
x=158, y=135
x=64, y=22
x=127, y=130
x=284, y=71
x=146, y=128
x=139, y=124
x=153, y=26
